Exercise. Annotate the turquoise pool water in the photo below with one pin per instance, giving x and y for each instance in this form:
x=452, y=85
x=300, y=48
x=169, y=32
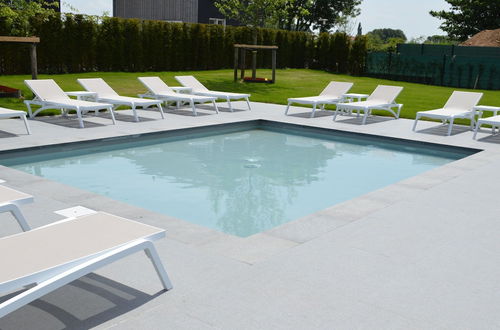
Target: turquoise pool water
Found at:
x=239, y=183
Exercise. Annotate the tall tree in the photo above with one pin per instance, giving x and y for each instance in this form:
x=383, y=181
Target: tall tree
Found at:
x=386, y=34
x=15, y=15
x=468, y=17
x=304, y=15
x=256, y=13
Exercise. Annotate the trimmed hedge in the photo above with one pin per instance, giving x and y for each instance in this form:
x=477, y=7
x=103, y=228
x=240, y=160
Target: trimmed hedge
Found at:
x=80, y=43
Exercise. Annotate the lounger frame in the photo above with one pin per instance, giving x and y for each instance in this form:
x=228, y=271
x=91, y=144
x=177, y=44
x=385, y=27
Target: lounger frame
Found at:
x=41, y=283
x=9, y=113
x=118, y=100
x=176, y=97
x=374, y=103
x=198, y=88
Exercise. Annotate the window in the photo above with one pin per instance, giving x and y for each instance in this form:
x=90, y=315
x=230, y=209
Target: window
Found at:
x=218, y=21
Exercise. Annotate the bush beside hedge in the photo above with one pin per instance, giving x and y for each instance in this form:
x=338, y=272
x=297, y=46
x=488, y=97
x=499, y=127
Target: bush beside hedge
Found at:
x=79, y=43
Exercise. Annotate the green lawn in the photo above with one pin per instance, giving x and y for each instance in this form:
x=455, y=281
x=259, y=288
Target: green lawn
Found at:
x=290, y=83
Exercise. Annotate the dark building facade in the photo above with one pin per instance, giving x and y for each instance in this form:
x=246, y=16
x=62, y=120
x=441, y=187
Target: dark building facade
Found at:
x=189, y=11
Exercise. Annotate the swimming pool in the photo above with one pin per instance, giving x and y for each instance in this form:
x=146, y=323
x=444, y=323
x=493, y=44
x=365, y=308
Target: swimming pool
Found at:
x=239, y=179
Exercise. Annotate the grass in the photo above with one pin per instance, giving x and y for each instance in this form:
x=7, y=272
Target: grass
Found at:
x=290, y=83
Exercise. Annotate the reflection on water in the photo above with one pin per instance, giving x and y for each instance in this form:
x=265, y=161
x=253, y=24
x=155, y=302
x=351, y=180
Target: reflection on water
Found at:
x=239, y=183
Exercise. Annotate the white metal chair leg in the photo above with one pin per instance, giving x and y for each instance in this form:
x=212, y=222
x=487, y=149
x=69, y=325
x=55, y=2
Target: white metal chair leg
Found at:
x=415, y=123
x=136, y=116
x=28, y=105
x=193, y=107
x=229, y=104
x=287, y=108
x=451, y=126
x=26, y=124
x=215, y=106
x=80, y=119
x=161, y=111
x=112, y=115
x=313, y=110
x=478, y=125
x=248, y=103
x=337, y=109
x=365, y=117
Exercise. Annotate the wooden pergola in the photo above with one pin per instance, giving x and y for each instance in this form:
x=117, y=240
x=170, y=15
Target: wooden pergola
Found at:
x=26, y=40
x=239, y=61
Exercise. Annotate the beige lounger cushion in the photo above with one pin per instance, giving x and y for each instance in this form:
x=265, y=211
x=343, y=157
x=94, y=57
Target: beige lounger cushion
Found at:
x=51, y=246
x=10, y=195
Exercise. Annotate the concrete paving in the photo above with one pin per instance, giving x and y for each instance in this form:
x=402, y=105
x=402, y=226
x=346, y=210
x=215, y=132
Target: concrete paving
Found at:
x=421, y=253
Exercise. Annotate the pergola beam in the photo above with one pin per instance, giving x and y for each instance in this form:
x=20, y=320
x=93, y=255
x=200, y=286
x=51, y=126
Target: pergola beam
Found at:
x=27, y=40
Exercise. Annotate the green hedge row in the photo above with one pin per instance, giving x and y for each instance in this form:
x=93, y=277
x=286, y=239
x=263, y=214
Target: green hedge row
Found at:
x=78, y=43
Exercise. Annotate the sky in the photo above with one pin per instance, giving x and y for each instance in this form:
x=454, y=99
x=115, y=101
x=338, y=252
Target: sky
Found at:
x=408, y=15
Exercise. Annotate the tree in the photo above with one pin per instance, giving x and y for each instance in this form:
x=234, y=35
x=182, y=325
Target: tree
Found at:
x=385, y=34
x=324, y=15
x=256, y=13
x=15, y=15
x=360, y=30
x=468, y=17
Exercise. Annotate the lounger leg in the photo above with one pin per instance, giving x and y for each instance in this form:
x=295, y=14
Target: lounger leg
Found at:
x=83, y=269
x=287, y=108
x=16, y=213
x=112, y=115
x=215, y=106
x=28, y=105
x=160, y=270
x=314, y=110
x=248, y=103
x=478, y=125
x=80, y=119
x=229, y=104
x=337, y=109
x=161, y=111
x=365, y=117
x=23, y=117
x=193, y=107
x=136, y=117
x=415, y=123
x=451, y=126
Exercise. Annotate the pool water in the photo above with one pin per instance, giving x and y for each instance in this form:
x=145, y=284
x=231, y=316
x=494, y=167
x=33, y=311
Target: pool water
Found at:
x=239, y=183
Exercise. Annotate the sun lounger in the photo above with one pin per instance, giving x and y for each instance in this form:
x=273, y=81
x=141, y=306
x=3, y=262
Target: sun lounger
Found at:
x=332, y=94
x=160, y=91
x=49, y=95
x=10, y=200
x=494, y=120
x=198, y=88
x=47, y=258
x=8, y=113
x=106, y=94
x=382, y=98
x=459, y=105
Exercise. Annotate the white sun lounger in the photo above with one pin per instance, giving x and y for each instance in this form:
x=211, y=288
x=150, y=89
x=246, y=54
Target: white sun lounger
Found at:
x=106, y=94
x=494, y=120
x=8, y=113
x=160, y=91
x=332, y=94
x=382, y=98
x=10, y=200
x=459, y=105
x=198, y=88
x=49, y=95
x=47, y=258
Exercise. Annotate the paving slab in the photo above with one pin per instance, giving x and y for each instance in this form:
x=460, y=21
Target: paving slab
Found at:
x=421, y=253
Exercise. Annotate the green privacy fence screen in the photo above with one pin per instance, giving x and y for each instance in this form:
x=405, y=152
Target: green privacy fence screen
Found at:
x=455, y=66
